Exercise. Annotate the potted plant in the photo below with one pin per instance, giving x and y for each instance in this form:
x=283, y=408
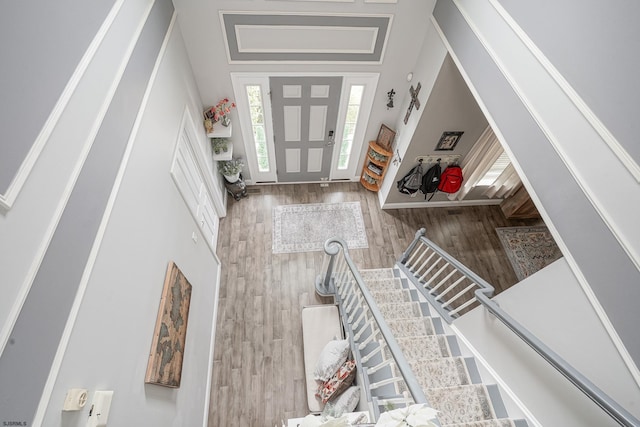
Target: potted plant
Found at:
x=231, y=169
x=219, y=145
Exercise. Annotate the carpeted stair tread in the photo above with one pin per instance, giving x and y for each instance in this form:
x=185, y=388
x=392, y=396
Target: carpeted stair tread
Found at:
x=400, y=310
x=411, y=327
x=502, y=422
x=461, y=404
x=391, y=296
x=377, y=274
x=429, y=347
x=445, y=380
x=384, y=284
x=441, y=372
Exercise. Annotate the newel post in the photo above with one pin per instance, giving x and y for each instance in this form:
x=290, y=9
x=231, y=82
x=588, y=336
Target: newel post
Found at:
x=420, y=233
x=323, y=284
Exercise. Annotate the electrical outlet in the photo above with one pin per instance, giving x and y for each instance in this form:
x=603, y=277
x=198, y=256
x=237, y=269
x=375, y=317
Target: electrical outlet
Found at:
x=100, y=407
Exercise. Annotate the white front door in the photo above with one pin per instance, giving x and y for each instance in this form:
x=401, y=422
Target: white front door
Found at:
x=305, y=113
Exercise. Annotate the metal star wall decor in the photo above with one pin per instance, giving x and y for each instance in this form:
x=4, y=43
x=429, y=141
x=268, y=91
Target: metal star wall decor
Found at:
x=414, y=101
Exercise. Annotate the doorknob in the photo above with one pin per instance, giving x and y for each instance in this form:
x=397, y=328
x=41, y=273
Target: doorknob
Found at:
x=331, y=138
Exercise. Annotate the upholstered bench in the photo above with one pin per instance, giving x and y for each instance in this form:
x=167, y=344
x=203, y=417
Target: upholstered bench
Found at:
x=320, y=324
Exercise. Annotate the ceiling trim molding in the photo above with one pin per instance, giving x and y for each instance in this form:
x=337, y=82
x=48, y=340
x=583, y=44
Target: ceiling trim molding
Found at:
x=254, y=37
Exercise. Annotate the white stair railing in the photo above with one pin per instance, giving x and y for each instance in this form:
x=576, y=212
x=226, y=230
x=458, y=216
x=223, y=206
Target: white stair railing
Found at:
x=471, y=291
x=367, y=330
x=447, y=284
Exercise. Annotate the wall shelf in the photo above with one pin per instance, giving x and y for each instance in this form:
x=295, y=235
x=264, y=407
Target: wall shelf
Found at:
x=224, y=155
x=220, y=131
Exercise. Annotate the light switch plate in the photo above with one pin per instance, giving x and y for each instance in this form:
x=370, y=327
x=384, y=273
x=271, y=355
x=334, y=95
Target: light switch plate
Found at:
x=100, y=407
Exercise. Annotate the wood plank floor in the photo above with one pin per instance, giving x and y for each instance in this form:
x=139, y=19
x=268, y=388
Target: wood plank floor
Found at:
x=258, y=375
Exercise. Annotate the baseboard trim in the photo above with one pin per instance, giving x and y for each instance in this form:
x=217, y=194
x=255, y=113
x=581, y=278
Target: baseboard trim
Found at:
x=442, y=204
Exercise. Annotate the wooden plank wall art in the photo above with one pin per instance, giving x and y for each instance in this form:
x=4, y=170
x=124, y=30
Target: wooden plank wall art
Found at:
x=167, y=349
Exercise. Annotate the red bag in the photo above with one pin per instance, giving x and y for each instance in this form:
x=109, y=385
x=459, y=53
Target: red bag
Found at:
x=451, y=179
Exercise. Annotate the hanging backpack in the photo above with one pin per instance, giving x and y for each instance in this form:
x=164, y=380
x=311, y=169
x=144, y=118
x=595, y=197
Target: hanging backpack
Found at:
x=430, y=180
x=411, y=182
x=451, y=179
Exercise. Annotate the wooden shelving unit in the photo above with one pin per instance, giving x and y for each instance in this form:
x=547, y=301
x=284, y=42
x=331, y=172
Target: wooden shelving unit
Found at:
x=375, y=166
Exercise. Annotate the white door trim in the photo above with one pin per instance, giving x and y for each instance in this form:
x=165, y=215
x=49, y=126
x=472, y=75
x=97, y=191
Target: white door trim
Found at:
x=240, y=79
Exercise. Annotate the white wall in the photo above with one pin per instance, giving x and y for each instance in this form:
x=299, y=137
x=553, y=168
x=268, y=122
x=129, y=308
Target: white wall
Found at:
x=108, y=316
x=148, y=227
x=547, y=302
x=426, y=69
x=204, y=38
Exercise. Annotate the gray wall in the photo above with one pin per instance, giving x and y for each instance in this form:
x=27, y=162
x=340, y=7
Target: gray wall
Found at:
x=87, y=243
x=52, y=38
x=596, y=47
x=608, y=269
x=44, y=313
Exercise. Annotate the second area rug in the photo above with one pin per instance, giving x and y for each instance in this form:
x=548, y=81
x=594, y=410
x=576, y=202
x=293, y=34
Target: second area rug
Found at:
x=528, y=248
x=304, y=228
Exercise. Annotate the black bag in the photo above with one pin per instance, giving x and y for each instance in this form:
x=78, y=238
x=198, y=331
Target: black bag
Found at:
x=412, y=181
x=430, y=180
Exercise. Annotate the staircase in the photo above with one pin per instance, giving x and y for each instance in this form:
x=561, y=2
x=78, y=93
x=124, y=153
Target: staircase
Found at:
x=451, y=383
x=398, y=323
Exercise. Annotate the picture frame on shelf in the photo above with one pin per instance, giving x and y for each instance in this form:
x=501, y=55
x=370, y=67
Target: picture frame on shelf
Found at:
x=448, y=140
x=385, y=138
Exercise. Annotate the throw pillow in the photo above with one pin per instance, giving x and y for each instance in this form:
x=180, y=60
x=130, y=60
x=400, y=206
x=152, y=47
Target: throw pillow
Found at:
x=345, y=402
x=339, y=382
x=331, y=357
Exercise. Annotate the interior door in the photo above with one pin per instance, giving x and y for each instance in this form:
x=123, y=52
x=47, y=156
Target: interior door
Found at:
x=305, y=112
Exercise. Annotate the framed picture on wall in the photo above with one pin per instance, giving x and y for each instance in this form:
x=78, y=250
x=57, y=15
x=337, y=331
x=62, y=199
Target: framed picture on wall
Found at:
x=386, y=137
x=167, y=349
x=448, y=141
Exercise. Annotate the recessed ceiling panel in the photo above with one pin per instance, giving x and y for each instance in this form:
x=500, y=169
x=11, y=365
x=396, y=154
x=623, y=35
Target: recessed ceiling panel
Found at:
x=296, y=38
x=254, y=37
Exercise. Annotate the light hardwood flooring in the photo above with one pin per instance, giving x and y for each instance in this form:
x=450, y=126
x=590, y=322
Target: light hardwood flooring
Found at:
x=258, y=375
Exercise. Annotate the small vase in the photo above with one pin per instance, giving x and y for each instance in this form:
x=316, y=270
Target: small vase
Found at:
x=226, y=121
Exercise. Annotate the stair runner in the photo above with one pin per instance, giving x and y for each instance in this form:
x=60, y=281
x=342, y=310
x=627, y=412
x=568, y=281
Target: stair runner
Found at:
x=451, y=382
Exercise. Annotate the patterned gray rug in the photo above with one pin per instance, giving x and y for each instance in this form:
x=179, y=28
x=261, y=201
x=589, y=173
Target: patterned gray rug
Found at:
x=529, y=249
x=305, y=228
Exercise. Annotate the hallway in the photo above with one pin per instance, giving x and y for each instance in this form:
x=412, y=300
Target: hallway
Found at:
x=258, y=375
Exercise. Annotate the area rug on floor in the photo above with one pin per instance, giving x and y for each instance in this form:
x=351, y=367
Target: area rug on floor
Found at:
x=303, y=228
x=529, y=249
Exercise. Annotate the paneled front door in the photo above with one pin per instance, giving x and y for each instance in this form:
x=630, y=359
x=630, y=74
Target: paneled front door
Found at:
x=305, y=112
